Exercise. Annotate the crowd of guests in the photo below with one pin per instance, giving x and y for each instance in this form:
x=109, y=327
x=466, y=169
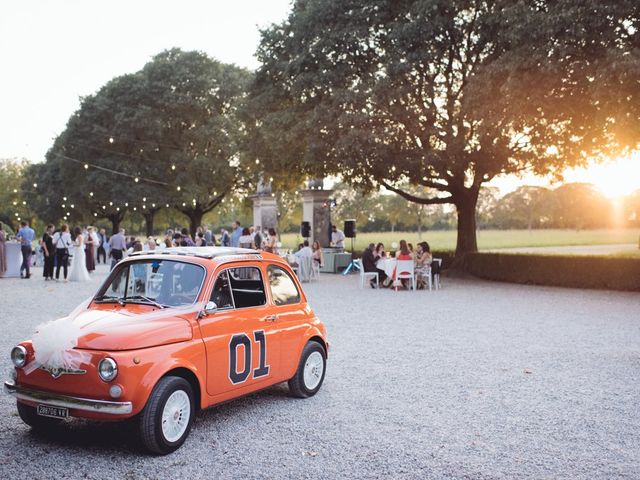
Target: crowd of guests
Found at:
x=421, y=257
x=74, y=253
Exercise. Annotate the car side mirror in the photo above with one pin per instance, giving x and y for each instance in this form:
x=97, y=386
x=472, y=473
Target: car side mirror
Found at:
x=209, y=309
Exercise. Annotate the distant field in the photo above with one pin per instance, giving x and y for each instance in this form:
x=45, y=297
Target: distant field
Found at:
x=491, y=239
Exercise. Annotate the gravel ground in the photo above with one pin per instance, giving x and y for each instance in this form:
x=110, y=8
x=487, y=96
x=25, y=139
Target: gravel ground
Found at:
x=479, y=380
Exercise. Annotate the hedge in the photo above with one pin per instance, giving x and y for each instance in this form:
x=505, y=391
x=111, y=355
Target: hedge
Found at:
x=557, y=270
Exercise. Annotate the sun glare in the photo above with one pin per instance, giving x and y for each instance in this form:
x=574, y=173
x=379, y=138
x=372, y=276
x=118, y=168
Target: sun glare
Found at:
x=614, y=179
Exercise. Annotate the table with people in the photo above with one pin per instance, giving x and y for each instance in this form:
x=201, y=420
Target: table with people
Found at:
x=383, y=268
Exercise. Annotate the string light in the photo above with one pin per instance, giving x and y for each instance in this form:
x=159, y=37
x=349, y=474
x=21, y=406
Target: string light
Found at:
x=178, y=188
x=86, y=166
x=110, y=139
x=136, y=179
x=173, y=167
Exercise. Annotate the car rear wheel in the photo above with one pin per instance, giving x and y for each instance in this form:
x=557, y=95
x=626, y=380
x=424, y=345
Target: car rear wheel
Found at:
x=311, y=369
x=30, y=416
x=167, y=418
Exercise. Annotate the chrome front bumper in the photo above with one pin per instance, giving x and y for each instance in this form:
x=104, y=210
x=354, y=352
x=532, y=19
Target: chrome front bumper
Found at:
x=65, y=401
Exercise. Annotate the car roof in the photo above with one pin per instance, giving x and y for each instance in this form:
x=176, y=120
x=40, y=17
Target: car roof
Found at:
x=200, y=252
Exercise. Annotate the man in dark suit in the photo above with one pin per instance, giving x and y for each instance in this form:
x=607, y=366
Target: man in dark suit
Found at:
x=102, y=241
x=369, y=264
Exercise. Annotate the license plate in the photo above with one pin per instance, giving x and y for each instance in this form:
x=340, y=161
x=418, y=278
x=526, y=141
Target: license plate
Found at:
x=54, y=412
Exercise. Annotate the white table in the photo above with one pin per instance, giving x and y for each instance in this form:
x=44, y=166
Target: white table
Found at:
x=14, y=259
x=388, y=265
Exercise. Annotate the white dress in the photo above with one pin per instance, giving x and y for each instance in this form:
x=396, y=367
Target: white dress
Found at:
x=79, y=272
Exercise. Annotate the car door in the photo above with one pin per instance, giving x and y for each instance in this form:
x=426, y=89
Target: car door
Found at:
x=241, y=337
x=292, y=315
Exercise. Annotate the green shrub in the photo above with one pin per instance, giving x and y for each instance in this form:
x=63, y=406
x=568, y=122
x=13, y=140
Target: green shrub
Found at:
x=557, y=270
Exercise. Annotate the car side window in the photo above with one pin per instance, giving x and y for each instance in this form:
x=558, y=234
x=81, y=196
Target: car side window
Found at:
x=283, y=289
x=247, y=287
x=221, y=294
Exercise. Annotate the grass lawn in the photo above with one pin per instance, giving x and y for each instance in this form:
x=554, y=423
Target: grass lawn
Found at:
x=491, y=239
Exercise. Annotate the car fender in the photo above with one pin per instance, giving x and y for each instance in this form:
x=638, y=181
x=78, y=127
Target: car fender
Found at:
x=311, y=332
x=190, y=359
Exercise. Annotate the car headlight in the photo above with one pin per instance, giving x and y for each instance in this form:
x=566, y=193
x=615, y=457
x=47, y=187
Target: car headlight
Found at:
x=107, y=369
x=19, y=356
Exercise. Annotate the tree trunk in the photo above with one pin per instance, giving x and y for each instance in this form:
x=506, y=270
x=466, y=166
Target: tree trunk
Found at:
x=148, y=222
x=467, y=236
x=115, y=219
x=195, y=220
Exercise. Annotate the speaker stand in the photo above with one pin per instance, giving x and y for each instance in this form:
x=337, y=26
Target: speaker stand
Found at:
x=353, y=265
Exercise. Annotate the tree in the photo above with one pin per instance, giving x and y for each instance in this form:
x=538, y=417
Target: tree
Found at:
x=580, y=206
x=167, y=135
x=14, y=204
x=527, y=207
x=445, y=94
x=192, y=102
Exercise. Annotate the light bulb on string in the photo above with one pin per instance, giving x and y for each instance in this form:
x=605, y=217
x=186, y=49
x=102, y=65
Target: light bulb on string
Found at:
x=173, y=167
x=167, y=205
x=126, y=204
x=117, y=209
x=95, y=214
x=64, y=206
x=178, y=188
x=153, y=205
x=72, y=205
x=110, y=139
x=86, y=166
x=144, y=199
x=64, y=198
x=35, y=185
x=134, y=209
x=136, y=179
x=103, y=207
x=24, y=203
x=15, y=190
x=91, y=194
x=111, y=204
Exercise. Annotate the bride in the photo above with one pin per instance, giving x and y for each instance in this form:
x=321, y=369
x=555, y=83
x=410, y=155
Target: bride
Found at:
x=79, y=272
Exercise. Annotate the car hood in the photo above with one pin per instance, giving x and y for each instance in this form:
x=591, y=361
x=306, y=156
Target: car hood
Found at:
x=124, y=330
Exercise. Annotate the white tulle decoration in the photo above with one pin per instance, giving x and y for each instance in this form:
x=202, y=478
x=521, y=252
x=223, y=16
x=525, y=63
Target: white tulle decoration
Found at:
x=54, y=342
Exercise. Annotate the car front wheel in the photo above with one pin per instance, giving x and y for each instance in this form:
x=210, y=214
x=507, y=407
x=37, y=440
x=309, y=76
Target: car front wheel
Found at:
x=310, y=374
x=167, y=418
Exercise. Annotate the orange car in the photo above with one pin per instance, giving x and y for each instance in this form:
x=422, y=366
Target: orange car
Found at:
x=168, y=333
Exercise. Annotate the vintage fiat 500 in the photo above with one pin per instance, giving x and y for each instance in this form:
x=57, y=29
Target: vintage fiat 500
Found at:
x=170, y=333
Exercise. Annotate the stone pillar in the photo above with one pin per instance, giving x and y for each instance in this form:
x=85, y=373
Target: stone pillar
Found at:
x=265, y=211
x=316, y=209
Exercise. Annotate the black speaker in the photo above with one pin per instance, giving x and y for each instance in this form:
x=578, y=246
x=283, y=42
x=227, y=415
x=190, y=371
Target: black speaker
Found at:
x=350, y=228
x=305, y=229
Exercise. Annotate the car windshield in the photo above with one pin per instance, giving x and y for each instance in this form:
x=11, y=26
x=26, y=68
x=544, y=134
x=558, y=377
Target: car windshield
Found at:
x=163, y=283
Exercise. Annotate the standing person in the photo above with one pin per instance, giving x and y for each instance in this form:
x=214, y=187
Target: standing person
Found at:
x=187, y=241
x=118, y=245
x=271, y=244
x=208, y=237
x=26, y=236
x=62, y=242
x=236, y=234
x=225, y=238
x=102, y=242
x=3, y=251
x=90, y=243
x=245, y=240
x=337, y=237
x=47, y=248
x=79, y=272
x=257, y=238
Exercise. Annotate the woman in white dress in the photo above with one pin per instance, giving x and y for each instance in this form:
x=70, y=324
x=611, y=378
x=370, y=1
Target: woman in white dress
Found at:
x=79, y=272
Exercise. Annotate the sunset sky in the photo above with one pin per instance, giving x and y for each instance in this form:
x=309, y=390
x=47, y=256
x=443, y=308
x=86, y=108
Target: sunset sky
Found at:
x=55, y=52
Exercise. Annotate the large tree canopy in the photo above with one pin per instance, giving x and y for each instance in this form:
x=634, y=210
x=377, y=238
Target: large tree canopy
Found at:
x=445, y=94
x=167, y=135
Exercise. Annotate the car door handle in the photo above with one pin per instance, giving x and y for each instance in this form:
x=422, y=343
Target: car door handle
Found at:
x=271, y=318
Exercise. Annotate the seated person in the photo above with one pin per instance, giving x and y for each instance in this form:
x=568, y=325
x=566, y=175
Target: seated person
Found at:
x=369, y=264
x=317, y=253
x=304, y=251
x=423, y=263
x=403, y=254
